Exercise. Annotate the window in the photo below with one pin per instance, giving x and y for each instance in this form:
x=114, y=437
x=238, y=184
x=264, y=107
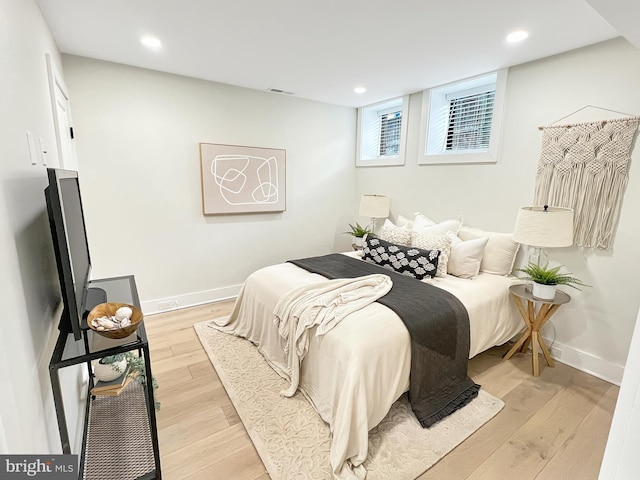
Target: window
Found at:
x=382, y=133
x=461, y=121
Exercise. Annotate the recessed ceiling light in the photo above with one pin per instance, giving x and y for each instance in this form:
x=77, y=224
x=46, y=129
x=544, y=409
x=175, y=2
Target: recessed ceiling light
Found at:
x=517, y=36
x=151, y=42
x=359, y=89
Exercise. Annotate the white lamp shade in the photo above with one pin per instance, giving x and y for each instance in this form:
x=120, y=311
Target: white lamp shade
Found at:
x=374, y=206
x=544, y=227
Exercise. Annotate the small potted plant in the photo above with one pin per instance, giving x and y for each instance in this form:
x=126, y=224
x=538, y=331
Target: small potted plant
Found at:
x=119, y=363
x=545, y=280
x=358, y=232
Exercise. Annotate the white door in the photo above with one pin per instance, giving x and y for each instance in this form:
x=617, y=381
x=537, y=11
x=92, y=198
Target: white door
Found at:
x=62, y=118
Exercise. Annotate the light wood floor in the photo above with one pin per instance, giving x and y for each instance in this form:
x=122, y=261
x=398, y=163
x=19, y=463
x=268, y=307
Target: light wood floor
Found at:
x=553, y=427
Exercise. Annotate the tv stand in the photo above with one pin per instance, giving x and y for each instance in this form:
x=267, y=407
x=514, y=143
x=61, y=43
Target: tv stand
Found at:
x=127, y=418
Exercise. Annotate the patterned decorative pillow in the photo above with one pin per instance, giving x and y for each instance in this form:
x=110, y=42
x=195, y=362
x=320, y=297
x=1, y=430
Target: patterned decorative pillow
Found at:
x=399, y=235
x=413, y=262
x=434, y=242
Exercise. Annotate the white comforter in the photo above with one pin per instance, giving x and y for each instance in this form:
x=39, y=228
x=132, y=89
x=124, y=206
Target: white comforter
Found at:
x=354, y=373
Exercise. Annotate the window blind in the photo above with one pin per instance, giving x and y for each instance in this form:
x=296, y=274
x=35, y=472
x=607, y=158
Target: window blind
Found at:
x=469, y=125
x=390, y=131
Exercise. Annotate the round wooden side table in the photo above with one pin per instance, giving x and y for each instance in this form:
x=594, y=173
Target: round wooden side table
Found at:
x=534, y=319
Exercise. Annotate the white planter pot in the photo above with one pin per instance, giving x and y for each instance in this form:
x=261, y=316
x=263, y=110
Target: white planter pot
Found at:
x=357, y=241
x=109, y=371
x=544, y=292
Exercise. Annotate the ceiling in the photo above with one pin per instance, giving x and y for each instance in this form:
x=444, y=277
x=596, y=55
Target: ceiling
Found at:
x=322, y=50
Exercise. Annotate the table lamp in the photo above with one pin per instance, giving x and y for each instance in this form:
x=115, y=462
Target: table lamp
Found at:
x=374, y=207
x=543, y=227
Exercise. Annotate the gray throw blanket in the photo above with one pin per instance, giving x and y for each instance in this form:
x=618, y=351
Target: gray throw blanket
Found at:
x=438, y=325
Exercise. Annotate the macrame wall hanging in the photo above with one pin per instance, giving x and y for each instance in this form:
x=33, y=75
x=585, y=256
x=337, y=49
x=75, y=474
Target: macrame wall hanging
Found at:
x=585, y=166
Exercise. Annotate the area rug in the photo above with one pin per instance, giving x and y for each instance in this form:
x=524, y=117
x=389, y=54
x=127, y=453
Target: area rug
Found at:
x=293, y=441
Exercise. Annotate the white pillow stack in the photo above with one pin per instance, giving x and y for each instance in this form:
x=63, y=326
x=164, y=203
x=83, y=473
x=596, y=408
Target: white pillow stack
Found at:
x=499, y=253
x=464, y=251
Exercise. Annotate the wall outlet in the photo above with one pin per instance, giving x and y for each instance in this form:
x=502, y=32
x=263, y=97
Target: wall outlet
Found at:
x=167, y=305
x=556, y=353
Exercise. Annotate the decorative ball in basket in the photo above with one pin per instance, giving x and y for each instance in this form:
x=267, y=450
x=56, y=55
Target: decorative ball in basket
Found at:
x=114, y=320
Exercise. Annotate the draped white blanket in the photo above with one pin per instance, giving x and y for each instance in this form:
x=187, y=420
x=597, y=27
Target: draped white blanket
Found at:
x=324, y=305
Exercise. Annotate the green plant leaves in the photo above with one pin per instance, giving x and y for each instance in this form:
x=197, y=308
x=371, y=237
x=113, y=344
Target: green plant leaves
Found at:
x=550, y=276
x=136, y=368
x=358, y=230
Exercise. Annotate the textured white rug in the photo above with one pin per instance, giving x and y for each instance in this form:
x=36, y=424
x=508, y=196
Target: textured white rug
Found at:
x=293, y=441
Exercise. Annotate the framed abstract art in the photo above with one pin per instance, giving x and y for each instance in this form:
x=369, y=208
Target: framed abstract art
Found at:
x=238, y=179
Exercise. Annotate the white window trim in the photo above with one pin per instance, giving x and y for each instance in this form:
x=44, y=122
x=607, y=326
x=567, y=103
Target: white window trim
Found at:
x=383, y=160
x=468, y=156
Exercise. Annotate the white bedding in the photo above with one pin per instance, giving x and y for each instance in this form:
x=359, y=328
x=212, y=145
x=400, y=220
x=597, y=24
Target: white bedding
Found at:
x=353, y=373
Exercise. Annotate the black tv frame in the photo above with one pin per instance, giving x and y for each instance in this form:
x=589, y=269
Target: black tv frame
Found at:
x=74, y=291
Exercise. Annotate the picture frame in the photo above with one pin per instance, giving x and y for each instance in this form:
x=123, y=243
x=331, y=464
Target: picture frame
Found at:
x=242, y=179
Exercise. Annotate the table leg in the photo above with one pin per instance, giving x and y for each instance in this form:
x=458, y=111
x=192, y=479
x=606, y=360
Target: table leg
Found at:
x=534, y=353
x=531, y=315
x=545, y=312
x=542, y=319
x=525, y=336
x=545, y=351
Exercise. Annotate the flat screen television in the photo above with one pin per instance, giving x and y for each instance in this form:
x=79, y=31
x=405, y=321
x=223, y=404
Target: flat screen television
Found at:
x=69, y=235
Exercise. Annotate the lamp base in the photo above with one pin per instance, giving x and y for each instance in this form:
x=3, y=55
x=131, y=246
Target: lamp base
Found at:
x=538, y=256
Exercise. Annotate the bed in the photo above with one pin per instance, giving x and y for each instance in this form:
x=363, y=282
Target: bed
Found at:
x=354, y=373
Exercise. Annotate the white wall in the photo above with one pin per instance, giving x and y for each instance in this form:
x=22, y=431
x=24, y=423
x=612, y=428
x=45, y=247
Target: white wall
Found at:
x=593, y=331
x=28, y=280
x=137, y=136
x=620, y=461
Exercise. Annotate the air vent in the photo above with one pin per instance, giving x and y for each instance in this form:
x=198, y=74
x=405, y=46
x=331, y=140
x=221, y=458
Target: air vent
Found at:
x=277, y=90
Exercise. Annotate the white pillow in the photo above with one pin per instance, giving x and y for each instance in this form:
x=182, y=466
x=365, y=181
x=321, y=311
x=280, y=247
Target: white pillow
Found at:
x=422, y=224
x=393, y=234
x=499, y=253
x=434, y=242
x=465, y=258
x=423, y=220
x=402, y=221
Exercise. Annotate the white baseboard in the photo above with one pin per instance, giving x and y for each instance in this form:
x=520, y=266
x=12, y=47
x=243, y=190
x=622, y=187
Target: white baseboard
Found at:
x=586, y=362
x=167, y=304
